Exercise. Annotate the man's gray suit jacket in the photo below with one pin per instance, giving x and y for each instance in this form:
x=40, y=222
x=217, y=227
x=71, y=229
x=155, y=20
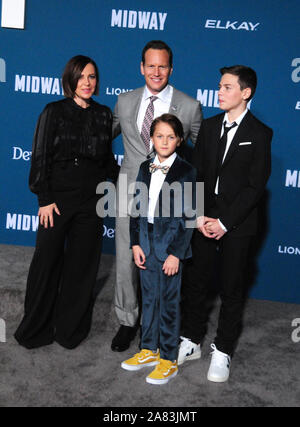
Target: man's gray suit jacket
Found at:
x=188, y=110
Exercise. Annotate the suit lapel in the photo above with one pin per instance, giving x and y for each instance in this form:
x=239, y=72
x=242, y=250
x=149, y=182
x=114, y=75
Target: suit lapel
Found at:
x=214, y=143
x=241, y=133
x=174, y=172
x=135, y=112
x=147, y=175
x=175, y=103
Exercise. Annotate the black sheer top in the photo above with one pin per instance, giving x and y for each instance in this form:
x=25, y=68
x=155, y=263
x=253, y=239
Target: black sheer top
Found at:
x=64, y=132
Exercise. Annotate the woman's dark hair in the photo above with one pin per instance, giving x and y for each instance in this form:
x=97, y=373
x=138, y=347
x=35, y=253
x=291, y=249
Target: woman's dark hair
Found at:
x=72, y=73
x=171, y=120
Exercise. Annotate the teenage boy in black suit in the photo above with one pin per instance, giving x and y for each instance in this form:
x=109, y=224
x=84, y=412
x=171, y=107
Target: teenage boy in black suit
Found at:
x=233, y=158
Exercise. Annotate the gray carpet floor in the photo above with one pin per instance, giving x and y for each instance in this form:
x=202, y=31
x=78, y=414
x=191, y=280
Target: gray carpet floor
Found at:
x=265, y=370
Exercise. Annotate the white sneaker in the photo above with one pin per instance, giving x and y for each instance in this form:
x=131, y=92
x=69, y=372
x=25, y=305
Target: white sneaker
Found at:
x=188, y=351
x=219, y=366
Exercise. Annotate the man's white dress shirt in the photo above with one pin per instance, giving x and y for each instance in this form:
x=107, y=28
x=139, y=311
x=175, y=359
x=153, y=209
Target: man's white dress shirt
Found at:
x=230, y=136
x=161, y=105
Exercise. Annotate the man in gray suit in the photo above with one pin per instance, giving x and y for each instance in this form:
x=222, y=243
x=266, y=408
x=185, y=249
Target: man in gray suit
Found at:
x=131, y=113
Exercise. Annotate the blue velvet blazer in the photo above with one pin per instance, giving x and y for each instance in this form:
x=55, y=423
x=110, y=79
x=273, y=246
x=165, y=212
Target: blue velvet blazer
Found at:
x=175, y=207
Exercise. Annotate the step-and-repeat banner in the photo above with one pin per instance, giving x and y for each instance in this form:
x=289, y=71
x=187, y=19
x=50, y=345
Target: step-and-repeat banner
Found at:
x=204, y=35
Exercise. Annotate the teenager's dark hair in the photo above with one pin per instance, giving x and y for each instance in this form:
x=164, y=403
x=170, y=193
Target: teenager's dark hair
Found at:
x=247, y=77
x=171, y=120
x=72, y=73
x=159, y=45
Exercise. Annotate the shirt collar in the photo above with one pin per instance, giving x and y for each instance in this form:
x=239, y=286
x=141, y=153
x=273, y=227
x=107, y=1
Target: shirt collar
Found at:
x=168, y=162
x=238, y=120
x=165, y=95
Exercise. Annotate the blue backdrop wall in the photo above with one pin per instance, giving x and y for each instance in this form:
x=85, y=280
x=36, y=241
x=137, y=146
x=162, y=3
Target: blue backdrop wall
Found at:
x=204, y=35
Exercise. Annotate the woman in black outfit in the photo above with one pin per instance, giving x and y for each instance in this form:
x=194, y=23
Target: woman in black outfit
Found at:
x=71, y=154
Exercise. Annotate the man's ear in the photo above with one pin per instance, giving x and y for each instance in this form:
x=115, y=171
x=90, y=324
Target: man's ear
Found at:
x=142, y=68
x=246, y=93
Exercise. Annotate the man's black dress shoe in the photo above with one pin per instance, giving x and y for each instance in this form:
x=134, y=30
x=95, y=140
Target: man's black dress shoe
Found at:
x=124, y=336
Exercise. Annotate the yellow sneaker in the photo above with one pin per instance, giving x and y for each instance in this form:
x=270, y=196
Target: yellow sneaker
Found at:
x=140, y=360
x=164, y=371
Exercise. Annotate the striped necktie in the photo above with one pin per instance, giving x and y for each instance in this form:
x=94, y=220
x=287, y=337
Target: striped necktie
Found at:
x=145, y=133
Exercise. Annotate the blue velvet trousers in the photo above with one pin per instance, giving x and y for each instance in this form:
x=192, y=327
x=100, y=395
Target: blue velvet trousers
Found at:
x=161, y=307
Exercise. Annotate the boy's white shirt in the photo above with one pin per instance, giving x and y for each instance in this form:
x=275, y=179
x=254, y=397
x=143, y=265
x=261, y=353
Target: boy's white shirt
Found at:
x=230, y=137
x=156, y=183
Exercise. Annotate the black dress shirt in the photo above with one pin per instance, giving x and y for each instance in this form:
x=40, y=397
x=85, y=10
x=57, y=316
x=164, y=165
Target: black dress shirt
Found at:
x=67, y=136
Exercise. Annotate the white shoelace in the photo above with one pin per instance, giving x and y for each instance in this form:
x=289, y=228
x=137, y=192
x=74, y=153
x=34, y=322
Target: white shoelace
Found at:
x=220, y=359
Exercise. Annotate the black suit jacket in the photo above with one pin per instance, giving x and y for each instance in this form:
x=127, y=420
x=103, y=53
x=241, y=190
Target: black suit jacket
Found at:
x=171, y=236
x=243, y=175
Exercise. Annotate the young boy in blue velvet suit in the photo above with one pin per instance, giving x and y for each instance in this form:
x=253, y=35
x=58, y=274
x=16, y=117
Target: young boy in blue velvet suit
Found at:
x=160, y=240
